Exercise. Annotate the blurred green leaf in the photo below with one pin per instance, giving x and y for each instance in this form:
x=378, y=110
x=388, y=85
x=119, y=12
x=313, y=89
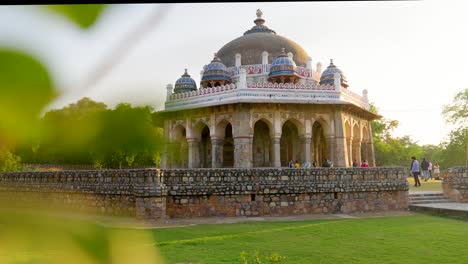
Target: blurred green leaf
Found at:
x=25, y=88
x=83, y=15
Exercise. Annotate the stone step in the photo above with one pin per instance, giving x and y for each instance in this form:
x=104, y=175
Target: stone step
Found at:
x=431, y=201
x=455, y=210
x=427, y=197
x=426, y=194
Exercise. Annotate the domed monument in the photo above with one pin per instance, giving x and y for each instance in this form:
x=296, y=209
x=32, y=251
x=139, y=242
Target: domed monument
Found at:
x=261, y=103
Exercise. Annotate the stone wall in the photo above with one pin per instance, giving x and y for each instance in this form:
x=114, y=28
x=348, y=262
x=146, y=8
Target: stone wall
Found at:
x=455, y=184
x=281, y=192
x=111, y=192
x=159, y=194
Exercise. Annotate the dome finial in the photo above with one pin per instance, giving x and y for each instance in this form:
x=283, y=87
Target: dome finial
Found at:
x=185, y=71
x=259, y=13
x=259, y=21
x=283, y=50
x=331, y=62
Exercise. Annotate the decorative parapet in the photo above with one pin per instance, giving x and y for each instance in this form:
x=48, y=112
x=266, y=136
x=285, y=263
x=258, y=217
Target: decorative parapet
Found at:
x=203, y=91
x=264, y=69
x=297, y=86
x=265, y=92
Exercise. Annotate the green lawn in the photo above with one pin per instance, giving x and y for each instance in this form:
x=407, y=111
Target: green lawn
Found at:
x=403, y=239
x=398, y=239
x=430, y=185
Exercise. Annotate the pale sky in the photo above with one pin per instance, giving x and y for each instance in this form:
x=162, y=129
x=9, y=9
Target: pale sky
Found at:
x=412, y=57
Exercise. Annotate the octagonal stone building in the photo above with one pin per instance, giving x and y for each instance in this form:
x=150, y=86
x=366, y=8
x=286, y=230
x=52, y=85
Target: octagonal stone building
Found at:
x=261, y=103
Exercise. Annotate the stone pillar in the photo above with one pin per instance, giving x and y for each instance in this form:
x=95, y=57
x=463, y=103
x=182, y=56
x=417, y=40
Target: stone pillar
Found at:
x=331, y=149
x=164, y=156
x=194, y=153
x=241, y=133
x=242, y=152
x=168, y=91
x=357, y=151
x=350, y=152
x=365, y=95
x=309, y=67
x=337, y=81
x=276, y=152
x=238, y=60
x=242, y=79
x=217, y=145
x=370, y=148
x=306, y=148
x=340, y=141
x=265, y=58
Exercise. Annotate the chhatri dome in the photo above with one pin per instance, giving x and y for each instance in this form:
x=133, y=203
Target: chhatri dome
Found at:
x=215, y=74
x=328, y=75
x=283, y=69
x=261, y=103
x=185, y=84
x=257, y=40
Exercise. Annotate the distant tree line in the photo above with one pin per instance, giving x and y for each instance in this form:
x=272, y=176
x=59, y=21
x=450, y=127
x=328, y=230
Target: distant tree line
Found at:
x=87, y=132
x=397, y=151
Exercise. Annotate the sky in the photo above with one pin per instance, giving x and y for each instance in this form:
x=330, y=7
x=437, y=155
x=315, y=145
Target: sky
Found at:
x=411, y=56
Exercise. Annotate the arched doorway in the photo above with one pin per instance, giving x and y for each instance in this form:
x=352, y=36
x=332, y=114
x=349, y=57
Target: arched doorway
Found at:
x=228, y=148
x=205, y=148
x=319, y=145
x=261, y=145
x=290, y=144
x=179, y=148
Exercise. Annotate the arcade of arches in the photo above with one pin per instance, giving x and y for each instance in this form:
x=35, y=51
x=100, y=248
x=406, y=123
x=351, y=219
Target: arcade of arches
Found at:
x=246, y=136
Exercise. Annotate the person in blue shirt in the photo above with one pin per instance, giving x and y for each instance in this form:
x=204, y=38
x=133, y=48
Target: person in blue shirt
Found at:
x=415, y=171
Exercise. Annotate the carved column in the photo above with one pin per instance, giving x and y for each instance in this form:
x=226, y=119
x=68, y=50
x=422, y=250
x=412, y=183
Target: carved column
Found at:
x=276, y=152
x=357, y=151
x=242, y=137
x=340, y=159
x=370, y=148
x=217, y=145
x=350, y=152
x=194, y=153
x=306, y=148
x=242, y=152
x=331, y=149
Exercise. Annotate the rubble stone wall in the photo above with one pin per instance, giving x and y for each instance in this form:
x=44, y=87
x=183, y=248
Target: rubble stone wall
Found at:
x=159, y=194
x=455, y=184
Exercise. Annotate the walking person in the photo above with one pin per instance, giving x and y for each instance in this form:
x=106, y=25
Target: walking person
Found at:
x=424, y=168
x=436, y=171
x=415, y=171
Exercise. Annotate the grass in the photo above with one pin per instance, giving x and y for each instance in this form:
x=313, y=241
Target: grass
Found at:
x=399, y=239
x=430, y=185
x=402, y=239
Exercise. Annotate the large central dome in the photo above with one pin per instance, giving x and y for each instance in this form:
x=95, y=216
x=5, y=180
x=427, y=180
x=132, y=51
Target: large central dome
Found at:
x=257, y=40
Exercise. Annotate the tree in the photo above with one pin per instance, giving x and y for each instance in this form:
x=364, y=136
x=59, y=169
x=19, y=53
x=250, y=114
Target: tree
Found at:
x=457, y=114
